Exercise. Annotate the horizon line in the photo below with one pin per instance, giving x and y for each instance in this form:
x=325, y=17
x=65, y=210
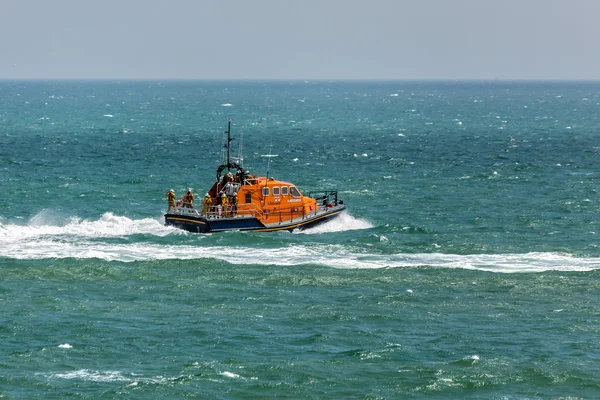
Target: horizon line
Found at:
x=308, y=80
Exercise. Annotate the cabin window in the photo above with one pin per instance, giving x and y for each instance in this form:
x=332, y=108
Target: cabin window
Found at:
x=276, y=191
x=284, y=190
x=294, y=192
x=265, y=191
x=248, y=198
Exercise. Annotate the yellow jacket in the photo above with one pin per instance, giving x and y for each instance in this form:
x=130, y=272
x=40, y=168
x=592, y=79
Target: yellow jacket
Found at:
x=170, y=197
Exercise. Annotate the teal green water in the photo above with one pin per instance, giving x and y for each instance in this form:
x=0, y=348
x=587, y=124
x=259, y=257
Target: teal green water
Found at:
x=466, y=265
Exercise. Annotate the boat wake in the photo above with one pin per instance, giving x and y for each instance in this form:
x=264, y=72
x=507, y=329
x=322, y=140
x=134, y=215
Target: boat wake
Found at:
x=46, y=224
x=115, y=238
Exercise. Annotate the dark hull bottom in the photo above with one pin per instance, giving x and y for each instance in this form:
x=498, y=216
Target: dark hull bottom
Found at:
x=199, y=224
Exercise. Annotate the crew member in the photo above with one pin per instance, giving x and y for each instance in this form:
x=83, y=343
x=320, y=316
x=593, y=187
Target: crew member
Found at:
x=206, y=204
x=239, y=176
x=228, y=177
x=234, y=201
x=171, y=199
x=188, y=199
x=225, y=204
x=248, y=178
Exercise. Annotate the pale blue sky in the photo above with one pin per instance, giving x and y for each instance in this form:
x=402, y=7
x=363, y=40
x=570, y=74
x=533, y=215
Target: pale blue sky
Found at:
x=308, y=39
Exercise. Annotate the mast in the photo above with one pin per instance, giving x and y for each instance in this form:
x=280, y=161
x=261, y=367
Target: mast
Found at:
x=228, y=162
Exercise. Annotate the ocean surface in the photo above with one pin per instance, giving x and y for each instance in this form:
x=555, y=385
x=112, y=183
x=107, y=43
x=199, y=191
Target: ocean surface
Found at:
x=467, y=264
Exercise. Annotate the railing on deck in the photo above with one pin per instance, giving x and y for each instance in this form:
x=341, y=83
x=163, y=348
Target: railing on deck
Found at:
x=325, y=198
x=239, y=210
x=252, y=210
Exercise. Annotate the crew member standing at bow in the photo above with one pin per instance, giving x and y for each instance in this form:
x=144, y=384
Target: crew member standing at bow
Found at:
x=171, y=199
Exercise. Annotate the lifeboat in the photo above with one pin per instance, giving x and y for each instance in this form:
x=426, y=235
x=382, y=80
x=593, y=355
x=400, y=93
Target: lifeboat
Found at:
x=240, y=201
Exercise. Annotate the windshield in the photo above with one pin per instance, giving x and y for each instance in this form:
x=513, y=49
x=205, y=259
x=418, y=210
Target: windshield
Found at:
x=294, y=192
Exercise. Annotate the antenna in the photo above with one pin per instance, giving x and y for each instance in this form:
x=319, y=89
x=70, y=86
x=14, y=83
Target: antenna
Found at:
x=268, y=167
x=239, y=160
x=269, y=160
x=229, y=139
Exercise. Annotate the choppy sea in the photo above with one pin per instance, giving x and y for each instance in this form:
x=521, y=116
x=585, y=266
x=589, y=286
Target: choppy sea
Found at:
x=467, y=264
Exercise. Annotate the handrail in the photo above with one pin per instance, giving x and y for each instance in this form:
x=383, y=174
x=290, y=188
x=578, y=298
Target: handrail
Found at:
x=315, y=194
x=253, y=210
x=238, y=210
x=325, y=197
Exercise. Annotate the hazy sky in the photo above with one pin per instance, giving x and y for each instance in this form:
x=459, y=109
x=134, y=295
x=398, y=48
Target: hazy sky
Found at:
x=301, y=39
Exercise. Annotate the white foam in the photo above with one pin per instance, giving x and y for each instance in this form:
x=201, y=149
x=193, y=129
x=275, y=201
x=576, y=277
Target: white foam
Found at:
x=335, y=256
x=65, y=346
x=85, y=240
x=226, y=105
x=93, y=376
x=109, y=225
x=105, y=376
x=343, y=222
x=230, y=374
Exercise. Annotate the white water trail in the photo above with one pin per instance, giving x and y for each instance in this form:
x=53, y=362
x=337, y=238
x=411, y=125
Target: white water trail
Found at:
x=109, y=225
x=95, y=240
